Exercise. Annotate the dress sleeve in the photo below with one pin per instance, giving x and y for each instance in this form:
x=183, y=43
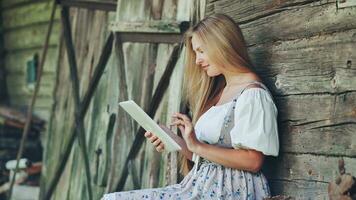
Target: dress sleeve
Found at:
x=255, y=122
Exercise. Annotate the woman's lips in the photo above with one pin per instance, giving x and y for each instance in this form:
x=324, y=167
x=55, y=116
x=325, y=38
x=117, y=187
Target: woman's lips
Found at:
x=205, y=67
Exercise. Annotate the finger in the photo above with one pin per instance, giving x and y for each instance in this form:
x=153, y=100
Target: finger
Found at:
x=177, y=122
x=181, y=128
x=148, y=134
x=159, y=149
x=153, y=138
x=182, y=116
x=157, y=142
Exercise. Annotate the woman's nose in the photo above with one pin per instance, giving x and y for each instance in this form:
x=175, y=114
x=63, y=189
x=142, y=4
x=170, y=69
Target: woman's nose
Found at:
x=198, y=61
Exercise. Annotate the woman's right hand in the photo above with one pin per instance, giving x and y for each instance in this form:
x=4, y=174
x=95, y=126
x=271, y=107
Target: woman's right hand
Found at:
x=155, y=141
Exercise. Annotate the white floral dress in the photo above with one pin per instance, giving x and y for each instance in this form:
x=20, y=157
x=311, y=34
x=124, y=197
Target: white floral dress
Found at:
x=248, y=121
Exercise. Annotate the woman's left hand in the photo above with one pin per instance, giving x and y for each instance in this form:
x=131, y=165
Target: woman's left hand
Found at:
x=185, y=126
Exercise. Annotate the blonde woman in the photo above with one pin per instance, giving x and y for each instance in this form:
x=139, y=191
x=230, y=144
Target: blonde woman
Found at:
x=234, y=124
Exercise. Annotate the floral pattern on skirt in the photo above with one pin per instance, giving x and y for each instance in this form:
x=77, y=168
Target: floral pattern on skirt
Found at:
x=210, y=181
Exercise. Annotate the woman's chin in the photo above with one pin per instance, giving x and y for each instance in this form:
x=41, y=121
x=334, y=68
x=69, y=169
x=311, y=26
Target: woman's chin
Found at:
x=212, y=74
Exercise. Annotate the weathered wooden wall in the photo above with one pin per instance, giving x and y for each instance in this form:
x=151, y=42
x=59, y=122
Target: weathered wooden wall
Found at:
x=108, y=144
x=305, y=52
x=25, y=24
x=3, y=88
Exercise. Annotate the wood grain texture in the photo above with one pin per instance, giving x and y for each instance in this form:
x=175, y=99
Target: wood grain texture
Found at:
x=320, y=64
x=306, y=167
x=304, y=52
x=30, y=37
x=16, y=62
x=34, y=13
x=317, y=17
x=299, y=189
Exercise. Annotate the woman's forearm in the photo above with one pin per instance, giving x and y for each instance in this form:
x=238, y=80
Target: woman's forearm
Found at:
x=188, y=154
x=248, y=160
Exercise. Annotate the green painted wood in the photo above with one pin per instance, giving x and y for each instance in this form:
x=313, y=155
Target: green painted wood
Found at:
x=20, y=79
x=15, y=62
x=34, y=13
x=30, y=37
x=44, y=102
x=8, y=4
x=114, y=139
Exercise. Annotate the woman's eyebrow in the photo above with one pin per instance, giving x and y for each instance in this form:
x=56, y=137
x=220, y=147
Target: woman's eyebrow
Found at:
x=197, y=49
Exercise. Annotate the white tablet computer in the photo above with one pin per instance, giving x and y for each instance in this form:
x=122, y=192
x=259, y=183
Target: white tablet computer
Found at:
x=148, y=124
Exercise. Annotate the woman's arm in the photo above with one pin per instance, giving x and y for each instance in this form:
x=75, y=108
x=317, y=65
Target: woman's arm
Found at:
x=249, y=160
x=242, y=159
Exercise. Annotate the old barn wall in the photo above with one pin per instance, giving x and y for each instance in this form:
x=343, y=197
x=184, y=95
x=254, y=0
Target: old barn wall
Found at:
x=305, y=53
x=25, y=24
x=106, y=127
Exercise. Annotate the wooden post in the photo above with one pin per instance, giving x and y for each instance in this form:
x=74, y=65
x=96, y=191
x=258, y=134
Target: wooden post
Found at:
x=99, y=69
x=156, y=99
x=76, y=94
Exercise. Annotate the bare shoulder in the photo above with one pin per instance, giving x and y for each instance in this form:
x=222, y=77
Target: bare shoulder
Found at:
x=253, y=77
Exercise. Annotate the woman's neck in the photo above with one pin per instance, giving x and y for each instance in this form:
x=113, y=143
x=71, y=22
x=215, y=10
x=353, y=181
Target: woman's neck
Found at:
x=239, y=79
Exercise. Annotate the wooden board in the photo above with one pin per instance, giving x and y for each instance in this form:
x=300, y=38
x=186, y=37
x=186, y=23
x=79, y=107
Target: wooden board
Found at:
x=16, y=62
x=30, y=37
x=320, y=64
x=308, y=20
x=304, y=51
x=299, y=189
x=34, y=13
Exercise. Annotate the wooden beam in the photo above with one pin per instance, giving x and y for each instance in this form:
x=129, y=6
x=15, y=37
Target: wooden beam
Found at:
x=99, y=70
x=156, y=99
x=150, y=37
x=154, y=31
x=79, y=124
x=93, y=5
x=152, y=26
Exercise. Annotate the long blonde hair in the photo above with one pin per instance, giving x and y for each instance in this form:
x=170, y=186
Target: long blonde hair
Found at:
x=225, y=46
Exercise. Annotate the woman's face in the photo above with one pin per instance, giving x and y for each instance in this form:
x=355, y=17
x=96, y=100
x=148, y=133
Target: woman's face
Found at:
x=202, y=60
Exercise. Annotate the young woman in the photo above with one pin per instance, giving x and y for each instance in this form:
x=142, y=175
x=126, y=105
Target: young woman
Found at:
x=234, y=123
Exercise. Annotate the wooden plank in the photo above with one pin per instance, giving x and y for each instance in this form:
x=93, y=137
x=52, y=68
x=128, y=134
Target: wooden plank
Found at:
x=151, y=38
x=151, y=26
x=249, y=10
x=306, y=167
x=16, y=62
x=8, y=4
x=42, y=102
x=92, y=5
x=34, y=13
x=308, y=20
x=317, y=111
x=85, y=103
x=299, y=189
x=79, y=119
x=30, y=37
x=24, y=90
x=20, y=79
x=318, y=64
x=337, y=139
x=158, y=94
